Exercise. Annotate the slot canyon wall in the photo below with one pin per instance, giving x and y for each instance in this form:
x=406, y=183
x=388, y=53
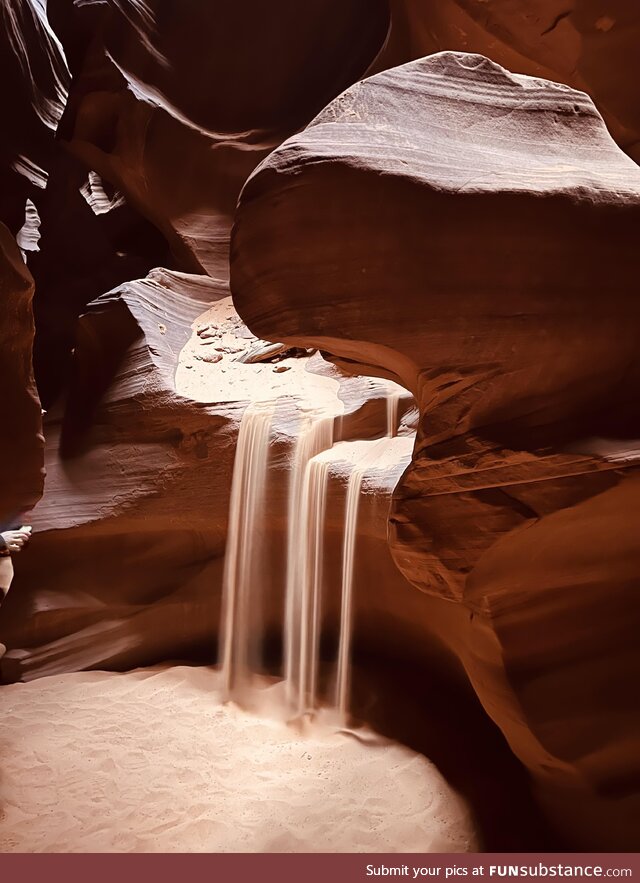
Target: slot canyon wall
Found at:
x=464, y=231
x=21, y=447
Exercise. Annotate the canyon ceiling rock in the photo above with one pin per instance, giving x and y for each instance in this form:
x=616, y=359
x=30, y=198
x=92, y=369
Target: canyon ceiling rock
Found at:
x=473, y=233
x=466, y=231
x=78, y=235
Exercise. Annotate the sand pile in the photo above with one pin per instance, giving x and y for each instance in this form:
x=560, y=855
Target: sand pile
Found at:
x=149, y=761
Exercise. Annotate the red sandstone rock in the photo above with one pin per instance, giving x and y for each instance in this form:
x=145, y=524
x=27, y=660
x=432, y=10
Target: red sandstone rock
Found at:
x=516, y=375
x=113, y=576
x=78, y=240
x=20, y=438
x=472, y=232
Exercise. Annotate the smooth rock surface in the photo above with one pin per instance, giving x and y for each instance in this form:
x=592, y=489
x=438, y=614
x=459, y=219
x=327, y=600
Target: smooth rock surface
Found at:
x=34, y=80
x=111, y=576
x=78, y=240
x=466, y=231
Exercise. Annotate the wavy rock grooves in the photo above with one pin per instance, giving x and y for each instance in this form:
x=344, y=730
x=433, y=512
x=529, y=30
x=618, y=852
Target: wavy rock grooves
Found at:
x=472, y=233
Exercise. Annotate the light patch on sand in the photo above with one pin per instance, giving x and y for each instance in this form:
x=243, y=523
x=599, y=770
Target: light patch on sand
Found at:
x=209, y=371
x=149, y=761
x=375, y=454
x=228, y=380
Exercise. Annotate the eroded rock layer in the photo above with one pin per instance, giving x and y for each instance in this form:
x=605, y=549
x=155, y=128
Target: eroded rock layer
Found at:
x=77, y=233
x=468, y=232
x=588, y=44
x=472, y=233
x=33, y=83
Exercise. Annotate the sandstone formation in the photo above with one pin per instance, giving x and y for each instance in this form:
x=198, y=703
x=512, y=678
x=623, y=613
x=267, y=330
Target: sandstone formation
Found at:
x=588, y=44
x=125, y=566
x=137, y=110
x=91, y=241
x=137, y=102
x=106, y=542
x=472, y=233
x=21, y=439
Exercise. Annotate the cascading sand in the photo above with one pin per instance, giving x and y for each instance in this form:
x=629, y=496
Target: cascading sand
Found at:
x=307, y=495
x=241, y=589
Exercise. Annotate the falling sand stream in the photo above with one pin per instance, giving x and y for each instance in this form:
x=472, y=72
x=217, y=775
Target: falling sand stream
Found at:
x=240, y=602
x=307, y=499
x=242, y=590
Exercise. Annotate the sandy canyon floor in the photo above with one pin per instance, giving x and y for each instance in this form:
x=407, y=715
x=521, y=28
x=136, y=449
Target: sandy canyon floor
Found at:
x=151, y=761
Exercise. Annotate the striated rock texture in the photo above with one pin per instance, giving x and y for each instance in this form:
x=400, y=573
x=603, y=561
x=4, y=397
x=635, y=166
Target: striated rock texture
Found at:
x=132, y=91
x=124, y=460
x=125, y=565
x=21, y=444
x=112, y=100
x=472, y=233
x=465, y=231
x=33, y=83
x=588, y=44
